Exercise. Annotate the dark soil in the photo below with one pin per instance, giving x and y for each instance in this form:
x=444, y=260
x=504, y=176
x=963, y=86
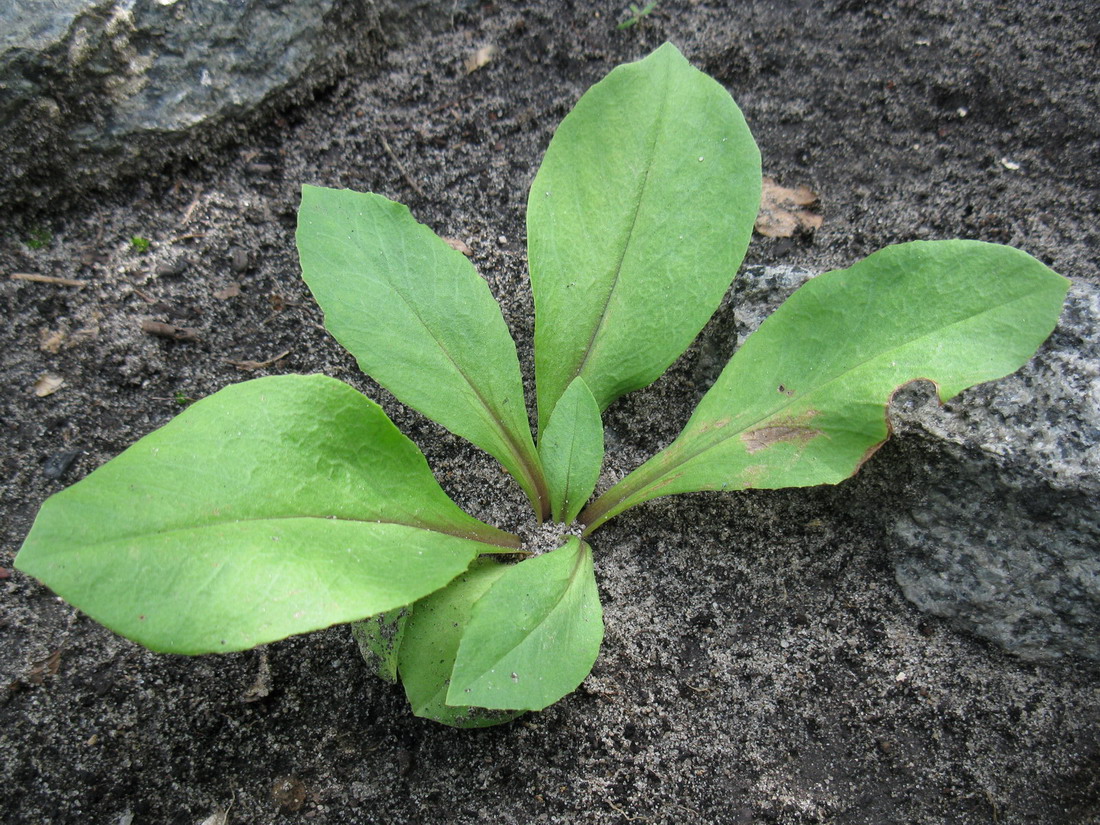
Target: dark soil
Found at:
x=760, y=664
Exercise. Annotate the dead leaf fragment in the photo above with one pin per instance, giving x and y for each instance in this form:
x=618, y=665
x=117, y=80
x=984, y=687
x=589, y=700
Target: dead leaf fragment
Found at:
x=219, y=817
x=43, y=668
x=48, y=384
x=171, y=331
x=50, y=340
x=460, y=245
x=784, y=212
x=479, y=58
x=46, y=279
x=248, y=366
x=231, y=291
x=261, y=688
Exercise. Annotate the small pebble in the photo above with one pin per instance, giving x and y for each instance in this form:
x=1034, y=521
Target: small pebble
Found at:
x=58, y=463
x=238, y=259
x=169, y=269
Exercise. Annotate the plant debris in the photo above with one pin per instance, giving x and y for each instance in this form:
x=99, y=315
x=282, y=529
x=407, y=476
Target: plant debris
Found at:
x=785, y=212
x=170, y=331
x=48, y=384
x=249, y=366
x=46, y=279
x=479, y=59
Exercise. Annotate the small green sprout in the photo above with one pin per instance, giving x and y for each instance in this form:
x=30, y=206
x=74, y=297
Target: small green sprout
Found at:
x=289, y=503
x=139, y=244
x=38, y=238
x=638, y=14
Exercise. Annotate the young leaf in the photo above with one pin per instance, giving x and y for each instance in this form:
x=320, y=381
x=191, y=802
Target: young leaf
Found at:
x=571, y=448
x=533, y=636
x=803, y=401
x=430, y=642
x=379, y=641
x=419, y=320
x=637, y=222
x=273, y=507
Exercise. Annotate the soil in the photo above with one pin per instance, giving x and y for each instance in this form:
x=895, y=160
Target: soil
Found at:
x=760, y=664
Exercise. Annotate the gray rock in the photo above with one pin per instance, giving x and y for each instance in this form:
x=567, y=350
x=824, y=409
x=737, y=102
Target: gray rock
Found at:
x=1005, y=540
x=93, y=89
x=990, y=503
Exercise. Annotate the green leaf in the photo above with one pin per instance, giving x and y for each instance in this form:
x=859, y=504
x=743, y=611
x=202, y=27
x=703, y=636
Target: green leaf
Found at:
x=803, y=401
x=273, y=507
x=431, y=640
x=533, y=636
x=419, y=320
x=637, y=222
x=379, y=640
x=571, y=448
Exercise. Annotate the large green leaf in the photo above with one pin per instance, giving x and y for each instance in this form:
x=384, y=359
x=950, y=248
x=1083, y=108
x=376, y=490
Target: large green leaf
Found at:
x=419, y=320
x=571, y=447
x=429, y=644
x=273, y=507
x=637, y=222
x=533, y=636
x=803, y=401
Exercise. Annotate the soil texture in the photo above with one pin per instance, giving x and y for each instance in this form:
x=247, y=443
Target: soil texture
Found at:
x=760, y=664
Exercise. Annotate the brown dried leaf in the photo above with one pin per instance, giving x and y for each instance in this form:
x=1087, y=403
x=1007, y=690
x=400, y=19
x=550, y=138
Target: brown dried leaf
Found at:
x=171, y=331
x=50, y=341
x=261, y=688
x=248, y=365
x=461, y=246
x=479, y=58
x=48, y=384
x=44, y=667
x=783, y=212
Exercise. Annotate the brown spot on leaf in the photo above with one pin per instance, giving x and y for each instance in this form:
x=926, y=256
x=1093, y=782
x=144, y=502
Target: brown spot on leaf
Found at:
x=790, y=430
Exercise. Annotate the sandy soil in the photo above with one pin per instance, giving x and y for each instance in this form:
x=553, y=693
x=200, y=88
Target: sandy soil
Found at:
x=760, y=664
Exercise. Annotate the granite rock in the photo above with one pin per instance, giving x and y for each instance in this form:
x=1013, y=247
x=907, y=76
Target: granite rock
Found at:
x=94, y=90
x=990, y=504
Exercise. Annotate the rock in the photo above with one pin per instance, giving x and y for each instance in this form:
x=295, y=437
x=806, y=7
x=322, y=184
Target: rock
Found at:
x=91, y=90
x=990, y=504
x=1004, y=538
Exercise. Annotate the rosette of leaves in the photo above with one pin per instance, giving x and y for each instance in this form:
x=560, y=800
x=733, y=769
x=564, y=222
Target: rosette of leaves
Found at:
x=286, y=504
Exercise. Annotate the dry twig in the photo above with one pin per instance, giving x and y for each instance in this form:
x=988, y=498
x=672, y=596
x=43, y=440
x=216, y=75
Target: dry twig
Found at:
x=46, y=279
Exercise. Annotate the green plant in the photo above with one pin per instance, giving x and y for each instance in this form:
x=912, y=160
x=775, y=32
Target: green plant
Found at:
x=638, y=13
x=38, y=238
x=139, y=244
x=285, y=504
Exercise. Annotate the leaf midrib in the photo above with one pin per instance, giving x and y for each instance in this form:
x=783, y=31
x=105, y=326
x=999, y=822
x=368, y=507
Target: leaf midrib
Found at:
x=264, y=519
x=605, y=309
